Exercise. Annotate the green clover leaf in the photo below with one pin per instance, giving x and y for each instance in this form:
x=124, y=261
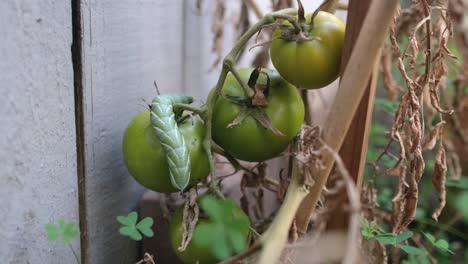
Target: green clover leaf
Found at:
x=440, y=244
x=410, y=250
x=144, y=226
x=53, y=233
x=226, y=228
x=66, y=230
x=134, y=229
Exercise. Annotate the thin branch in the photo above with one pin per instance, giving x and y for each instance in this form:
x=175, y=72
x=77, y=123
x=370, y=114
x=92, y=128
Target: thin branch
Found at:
x=197, y=110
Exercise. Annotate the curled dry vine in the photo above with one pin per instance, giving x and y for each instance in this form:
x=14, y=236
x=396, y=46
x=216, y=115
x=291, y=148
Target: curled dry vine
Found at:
x=422, y=64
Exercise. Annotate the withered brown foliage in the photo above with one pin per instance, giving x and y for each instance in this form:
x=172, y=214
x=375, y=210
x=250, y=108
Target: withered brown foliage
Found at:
x=438, y=179
x=422, y=64
x=190, y=218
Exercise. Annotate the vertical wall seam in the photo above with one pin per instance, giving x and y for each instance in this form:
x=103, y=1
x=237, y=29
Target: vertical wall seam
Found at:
x=77, y=60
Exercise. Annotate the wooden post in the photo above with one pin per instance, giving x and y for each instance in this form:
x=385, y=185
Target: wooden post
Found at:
x=354, y=83
x=354, y=148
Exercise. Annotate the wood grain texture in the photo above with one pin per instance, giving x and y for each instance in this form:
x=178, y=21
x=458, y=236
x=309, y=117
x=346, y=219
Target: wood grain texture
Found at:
x=38, y=182
x=354, y=82
x=354, y=148
x=127, y=45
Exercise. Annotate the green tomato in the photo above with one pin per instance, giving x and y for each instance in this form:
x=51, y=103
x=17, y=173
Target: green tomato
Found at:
x=249, y=140
x=312, y=63
x=196, y=251
x=145, y=157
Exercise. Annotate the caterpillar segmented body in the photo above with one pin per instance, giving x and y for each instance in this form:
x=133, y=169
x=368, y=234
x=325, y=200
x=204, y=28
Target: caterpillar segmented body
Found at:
x=165, y=126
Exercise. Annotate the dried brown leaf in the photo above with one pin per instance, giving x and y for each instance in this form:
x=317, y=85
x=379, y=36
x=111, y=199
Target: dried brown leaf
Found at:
x=434, y=135
x=408, y=211
x=397, y=169
x=386, y=68
x=190, y=218
x=418, y=164
x=438, y=179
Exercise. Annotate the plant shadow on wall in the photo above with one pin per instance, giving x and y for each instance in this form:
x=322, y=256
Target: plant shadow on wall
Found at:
x=411, y=207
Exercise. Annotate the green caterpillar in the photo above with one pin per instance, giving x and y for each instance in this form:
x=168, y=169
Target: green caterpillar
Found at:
x=165, y=126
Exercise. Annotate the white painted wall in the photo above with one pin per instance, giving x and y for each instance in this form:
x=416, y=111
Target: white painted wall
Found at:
x=127, y=44
x=37, y=133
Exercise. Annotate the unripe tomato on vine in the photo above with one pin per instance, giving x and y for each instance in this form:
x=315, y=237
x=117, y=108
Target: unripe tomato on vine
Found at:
x=146, y=159
x=308, y=55
x=222, y=230
x=241, y=128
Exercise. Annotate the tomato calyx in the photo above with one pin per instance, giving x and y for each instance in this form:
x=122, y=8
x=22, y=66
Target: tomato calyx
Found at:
x=253, y=106
x=288, y=33
x=298, y=29
x=259, y=115
x=261, y=91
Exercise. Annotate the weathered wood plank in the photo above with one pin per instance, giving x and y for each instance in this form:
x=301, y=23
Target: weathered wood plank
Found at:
x=38, y=182
x=127, y=45
x=354, y=148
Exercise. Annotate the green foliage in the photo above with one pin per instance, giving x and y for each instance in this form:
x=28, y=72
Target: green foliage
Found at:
x=462, y=183
x=386, y=105
x=416, y=259
x=66, y=230
x=225, y=230
x=372, y=231
x=384, y=198
x=133, y=229
x=461, y=199
x=440, y=244
x=461, y=203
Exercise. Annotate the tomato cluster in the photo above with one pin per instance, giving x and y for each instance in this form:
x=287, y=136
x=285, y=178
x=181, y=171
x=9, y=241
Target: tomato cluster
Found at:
x=242, y=127
x=249, y=140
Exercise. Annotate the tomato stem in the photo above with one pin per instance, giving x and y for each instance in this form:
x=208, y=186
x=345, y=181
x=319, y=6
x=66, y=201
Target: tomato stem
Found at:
x=197, y=110
x=247, y=90
x=328, y=6
x=276, y=237
x=292, y=20
x=228, y=67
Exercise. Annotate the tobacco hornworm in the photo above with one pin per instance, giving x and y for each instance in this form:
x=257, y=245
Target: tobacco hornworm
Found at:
x=165, y=126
